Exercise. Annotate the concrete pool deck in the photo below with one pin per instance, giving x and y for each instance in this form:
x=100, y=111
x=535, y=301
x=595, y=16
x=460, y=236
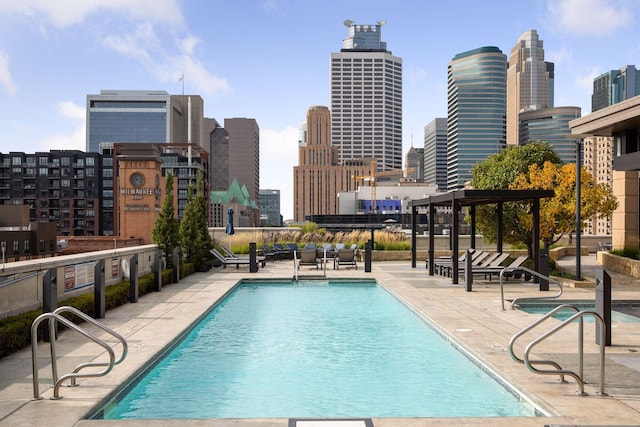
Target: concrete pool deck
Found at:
x=473, y=320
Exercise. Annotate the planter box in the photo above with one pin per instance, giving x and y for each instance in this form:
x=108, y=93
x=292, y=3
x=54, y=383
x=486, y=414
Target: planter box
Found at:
x=619, y=264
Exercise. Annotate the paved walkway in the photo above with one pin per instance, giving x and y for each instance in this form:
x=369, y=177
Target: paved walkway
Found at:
x=474, y=320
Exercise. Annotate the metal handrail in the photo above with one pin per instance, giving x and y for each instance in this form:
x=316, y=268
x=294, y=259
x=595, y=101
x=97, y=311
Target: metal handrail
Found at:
x=513, y=339
x=54, y=317
x=125, y=347
x=533, y=273
x=578, y=377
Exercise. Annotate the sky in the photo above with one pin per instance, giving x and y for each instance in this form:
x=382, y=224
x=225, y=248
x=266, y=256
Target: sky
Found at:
x=269, y=59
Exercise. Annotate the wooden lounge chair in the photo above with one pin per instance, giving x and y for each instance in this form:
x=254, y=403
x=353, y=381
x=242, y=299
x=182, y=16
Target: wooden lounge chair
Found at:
x=308, y=258
x=345, y=257
x=229, y=261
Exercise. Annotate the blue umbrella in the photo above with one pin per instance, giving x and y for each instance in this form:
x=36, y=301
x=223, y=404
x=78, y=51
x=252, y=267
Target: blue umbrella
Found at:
x=229, y=229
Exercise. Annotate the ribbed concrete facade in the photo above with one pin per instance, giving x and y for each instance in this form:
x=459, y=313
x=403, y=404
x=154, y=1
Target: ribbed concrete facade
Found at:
x=319, y=177
x=598, y=160
x=366, y=98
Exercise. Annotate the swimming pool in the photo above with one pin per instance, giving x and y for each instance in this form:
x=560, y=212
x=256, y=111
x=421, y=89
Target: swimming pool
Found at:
x=314, y=349
x=617, y=309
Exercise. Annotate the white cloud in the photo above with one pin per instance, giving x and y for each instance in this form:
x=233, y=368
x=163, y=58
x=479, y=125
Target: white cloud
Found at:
x=577, y=16
x=278, y=156
x=6, y=81
x=146, y=46
x=415, y=74
x=65, y=13
x=69, y=141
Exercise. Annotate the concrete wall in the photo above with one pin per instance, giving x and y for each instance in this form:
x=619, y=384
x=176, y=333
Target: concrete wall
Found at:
x=21, y=284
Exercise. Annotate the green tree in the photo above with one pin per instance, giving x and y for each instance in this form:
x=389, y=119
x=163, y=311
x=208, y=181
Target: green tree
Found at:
x=558, y=214
x=194, y=229
x=165, y=232
x=498, y=172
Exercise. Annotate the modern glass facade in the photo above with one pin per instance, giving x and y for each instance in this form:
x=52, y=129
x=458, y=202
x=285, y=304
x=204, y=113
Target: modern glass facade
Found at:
x=127, y=116
x=615, y=86
x=550, y=125
x=476, y=113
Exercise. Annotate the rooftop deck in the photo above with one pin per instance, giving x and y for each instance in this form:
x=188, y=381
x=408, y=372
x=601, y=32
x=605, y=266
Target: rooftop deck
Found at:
x=474, y=320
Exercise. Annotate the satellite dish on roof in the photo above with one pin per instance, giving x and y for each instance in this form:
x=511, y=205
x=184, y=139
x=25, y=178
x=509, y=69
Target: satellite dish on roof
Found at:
x=348, y=23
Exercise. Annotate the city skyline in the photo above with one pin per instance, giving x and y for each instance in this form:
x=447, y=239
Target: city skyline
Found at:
x=268, y=60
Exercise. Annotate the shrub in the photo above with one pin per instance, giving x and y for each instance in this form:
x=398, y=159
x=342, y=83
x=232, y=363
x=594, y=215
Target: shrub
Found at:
x=632, y=252
x=15, y=331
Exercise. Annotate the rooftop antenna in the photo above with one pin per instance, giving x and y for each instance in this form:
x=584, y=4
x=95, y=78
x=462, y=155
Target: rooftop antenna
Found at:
x=182, y=80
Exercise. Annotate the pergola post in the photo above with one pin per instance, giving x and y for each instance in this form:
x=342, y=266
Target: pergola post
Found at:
x=499, y=236
x=472, y=213
x=414, y=214
x=432, y=232
x=454, y=242
x=536, y=235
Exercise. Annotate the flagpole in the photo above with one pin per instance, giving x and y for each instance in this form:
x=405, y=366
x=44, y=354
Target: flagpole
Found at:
x=182, y=80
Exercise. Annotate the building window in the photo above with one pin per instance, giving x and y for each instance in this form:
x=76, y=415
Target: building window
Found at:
x=16, y=161
x=16, y=246
x=27, y=246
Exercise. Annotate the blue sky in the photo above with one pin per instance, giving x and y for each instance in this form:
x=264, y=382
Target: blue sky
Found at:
x=269, y=59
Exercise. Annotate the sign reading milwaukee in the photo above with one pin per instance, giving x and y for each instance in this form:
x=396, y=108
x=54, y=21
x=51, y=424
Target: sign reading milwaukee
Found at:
x=137, y=191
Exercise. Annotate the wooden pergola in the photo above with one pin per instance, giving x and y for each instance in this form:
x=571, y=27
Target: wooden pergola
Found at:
x=472, y=198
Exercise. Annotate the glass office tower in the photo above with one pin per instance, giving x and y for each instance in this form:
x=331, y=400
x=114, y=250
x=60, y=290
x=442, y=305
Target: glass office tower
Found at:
x=476, y=113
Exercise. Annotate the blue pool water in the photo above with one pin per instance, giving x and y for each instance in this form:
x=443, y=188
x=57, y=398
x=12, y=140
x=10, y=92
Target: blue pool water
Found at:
x=315, y=349
x=545, y=307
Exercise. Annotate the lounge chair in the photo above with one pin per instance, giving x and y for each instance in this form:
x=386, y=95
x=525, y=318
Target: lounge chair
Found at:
x=269, y=253
x=491, y=271
x=230, y=254
x=282, y=251
x=446, y=268
x=308, y=258
x=345, y=257
x=229, y=261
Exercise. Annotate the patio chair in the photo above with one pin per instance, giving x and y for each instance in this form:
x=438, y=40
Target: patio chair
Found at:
x=308, y=258
x=282, y=251
x=229, y=261
x=345, y=257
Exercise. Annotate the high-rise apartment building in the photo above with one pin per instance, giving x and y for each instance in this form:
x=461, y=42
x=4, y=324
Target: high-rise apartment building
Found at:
x=366, y=98
x=435, y=153
x=60, y=186
x=319, y=176
x=530, y=81
x=598, y=160
x=476, y=111
x=127, y=116
x=550, y=125
x=235, y=156
x=270, y=208
x=615, y=86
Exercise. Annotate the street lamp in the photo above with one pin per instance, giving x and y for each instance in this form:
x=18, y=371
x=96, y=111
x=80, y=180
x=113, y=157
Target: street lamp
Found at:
x=4, y=251
x=577, y=138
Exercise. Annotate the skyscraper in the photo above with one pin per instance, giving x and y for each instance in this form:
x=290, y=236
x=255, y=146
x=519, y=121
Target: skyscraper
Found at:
x=235, y=156
x=476, y=111
x=270, y=208
x=615, y=86
x=435, y=153
x=550, y=125
x=123, y=116
x=366, y=98
x=319, y=177
x=529, y=81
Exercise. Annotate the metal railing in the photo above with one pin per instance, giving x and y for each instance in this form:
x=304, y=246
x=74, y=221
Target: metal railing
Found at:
x=579, y=377
x=533, y=273
x=55, y=317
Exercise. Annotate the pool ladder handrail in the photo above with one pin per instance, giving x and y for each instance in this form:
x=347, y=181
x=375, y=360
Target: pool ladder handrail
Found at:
x=54, y=317
x=533, y=273
x=558, y=369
